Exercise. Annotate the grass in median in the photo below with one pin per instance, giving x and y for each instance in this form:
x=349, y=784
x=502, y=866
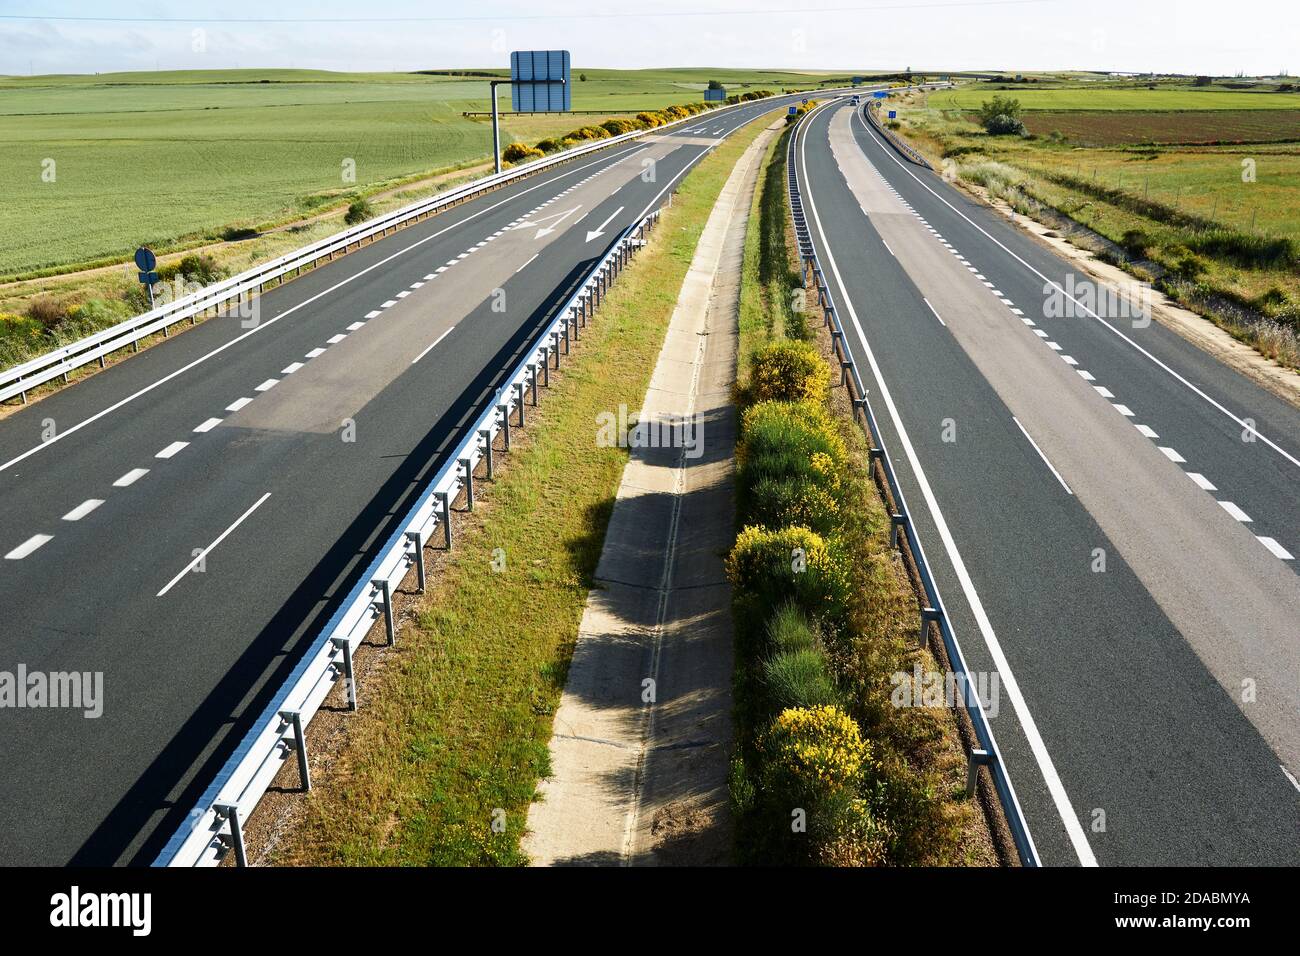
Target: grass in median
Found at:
x=455, y=727
x=825, y=613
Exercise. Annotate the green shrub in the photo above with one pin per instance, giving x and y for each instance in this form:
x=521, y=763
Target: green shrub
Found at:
x=799, y=679
x=358, y=211
x=1004, y=125
x=813, y=752
x=650, y=120
x=789, y=629
x=788, y=372
x=550, y=146
x=773, y=502
x=770, y=567
x=781, y=439
x=99, y=313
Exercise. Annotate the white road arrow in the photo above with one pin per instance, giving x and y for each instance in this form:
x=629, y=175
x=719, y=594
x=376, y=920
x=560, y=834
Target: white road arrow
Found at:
x=559, y=217
x=600, y=230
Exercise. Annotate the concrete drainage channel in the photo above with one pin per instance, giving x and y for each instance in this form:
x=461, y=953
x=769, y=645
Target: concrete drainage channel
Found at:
x=214, y=829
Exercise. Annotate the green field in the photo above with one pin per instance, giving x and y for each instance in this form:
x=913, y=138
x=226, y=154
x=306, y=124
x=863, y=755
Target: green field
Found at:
x=1128, y=98
x=174, y=156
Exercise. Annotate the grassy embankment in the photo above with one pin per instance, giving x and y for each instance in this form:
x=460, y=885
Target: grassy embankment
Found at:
x=827, y=770
x=1215, y=223
x=456, y=724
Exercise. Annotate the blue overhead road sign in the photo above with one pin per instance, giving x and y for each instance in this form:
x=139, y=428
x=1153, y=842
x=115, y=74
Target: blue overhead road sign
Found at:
x=539, y=81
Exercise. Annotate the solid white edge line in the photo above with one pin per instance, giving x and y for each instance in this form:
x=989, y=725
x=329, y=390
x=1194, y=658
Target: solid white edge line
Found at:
x=1051, y=778
x=534, y=256
x=206, y=551
x=1050, y=467
x=432, y=344
x=1057, y=286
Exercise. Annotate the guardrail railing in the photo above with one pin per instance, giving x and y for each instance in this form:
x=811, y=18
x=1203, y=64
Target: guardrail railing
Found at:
x=214, y=827
x=239, y=289
x=932, y=611
x=900, y=144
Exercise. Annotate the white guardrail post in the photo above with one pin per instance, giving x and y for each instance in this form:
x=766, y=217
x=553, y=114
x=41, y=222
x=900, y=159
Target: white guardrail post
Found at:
x=215, y=826
x=240, y=289
x=985, y=752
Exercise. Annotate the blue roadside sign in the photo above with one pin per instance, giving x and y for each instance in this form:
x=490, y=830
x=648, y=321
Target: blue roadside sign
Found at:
x=793, y=110
x=893, y=114
x=145, y=260
x=880, y=94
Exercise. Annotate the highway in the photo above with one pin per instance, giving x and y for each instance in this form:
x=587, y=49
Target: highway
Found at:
x=1110, y=511
x=185, y=520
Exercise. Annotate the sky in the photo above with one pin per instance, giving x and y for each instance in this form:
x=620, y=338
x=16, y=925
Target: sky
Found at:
x=1168, y=36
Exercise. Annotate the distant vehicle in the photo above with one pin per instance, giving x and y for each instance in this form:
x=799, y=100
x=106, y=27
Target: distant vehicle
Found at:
x=855, y=99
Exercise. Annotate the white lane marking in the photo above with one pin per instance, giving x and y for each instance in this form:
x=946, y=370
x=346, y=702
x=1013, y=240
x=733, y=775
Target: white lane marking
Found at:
x=404, y=293
x=207, y=426
x=389, y=304
x=417, y=285
x=1294, y=782
x=1236, y=512
x=266, y=386
x=314, y=352
x=1047, y=768
x=1028, y=322
x=1086, y=375
x=432, y=344
x=1016, y=312
x=1057, y=286
x=291, y=368
x=1172, y=455
x=1202, y=481
x=1050, y=466
x=1069, y=360
x=450, y=264
x=936, y=314
x=198, y=558
x=171, y=450
x=531, y=258
x=1054, y=346
x=373, y=313
x=237, y=404
x=891, y=252
x=131, y=477
x=463, y=255
x=356, y=325
x=439, y=270
x=1277, y=549
x=28, y=546
x=1146, y=430
x=83, y=509
x=1123, y=409
x=336, y=339
x=1103, y=391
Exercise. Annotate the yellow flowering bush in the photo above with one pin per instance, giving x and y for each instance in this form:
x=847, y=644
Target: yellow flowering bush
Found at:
x=788, y=371
x=775, y=565
x=819, y=750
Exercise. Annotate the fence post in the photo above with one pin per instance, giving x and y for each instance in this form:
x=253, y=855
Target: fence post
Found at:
x=468, y=465
x=896, y=521
x=349, y=681
x=444, y=505
x=386, y=597
x=977, y=758
x=231, y=813
x=505, y=425
x=300, y=745
x=928, y=614
x=520, y=387
x=486, y=435
x=417, y=540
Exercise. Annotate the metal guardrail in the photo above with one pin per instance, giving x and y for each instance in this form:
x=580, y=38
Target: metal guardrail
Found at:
x=900, y=144
x=215, y=825
x=933, y=610
x=18, y=380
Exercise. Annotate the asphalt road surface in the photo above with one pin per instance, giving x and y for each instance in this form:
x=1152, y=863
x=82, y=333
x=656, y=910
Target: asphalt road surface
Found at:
x=183, y=522
x=1110, y=511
